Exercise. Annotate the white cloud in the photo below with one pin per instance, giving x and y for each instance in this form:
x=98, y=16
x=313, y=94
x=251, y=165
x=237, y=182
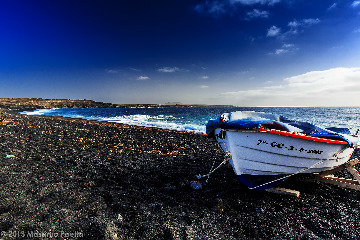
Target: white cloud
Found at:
x=310, y=21
x=213, y=8
x=142, y=78
x=135, y=69
x=205, y=77
x=333, y=87
x=295, y=24
x=333, y=6
x=285, y=48
x=355, y=4
x=112, y=71
x=295, y=27
x=288, y=45
x=253, y=2
x=273, y=31
x=256, y=13
x=281, y=51
x=218, y=8
x=169, y=69
x=204, y=86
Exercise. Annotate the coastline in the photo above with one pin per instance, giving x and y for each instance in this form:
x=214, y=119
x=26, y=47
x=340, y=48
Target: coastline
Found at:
x=101, y=180
x=30, y=104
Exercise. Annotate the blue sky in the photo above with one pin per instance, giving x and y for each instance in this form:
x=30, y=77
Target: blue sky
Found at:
x=239, y=52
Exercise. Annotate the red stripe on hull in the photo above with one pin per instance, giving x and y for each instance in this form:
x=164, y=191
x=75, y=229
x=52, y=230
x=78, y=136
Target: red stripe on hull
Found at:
x=297, y=135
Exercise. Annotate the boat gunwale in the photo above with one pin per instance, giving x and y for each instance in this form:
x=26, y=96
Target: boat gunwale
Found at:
x=290, y=134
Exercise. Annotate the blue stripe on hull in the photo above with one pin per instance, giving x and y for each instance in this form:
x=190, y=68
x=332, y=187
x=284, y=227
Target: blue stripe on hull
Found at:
x=259, y=182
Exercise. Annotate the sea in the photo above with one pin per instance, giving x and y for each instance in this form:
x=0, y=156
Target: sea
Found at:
x=194, y=119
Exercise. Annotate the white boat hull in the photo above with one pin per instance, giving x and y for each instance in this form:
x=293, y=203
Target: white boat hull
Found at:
x=261, y=153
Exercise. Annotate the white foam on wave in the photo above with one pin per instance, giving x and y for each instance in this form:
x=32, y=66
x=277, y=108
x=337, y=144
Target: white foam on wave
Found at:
x=155, y=121
x=39, y=111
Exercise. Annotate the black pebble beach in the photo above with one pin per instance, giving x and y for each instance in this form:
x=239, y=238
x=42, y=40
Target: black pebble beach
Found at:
x=75, y=179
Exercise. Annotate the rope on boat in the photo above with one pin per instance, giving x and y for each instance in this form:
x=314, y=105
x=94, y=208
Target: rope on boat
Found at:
x=300, y=171
x=287, y=176
x=212, y=170
x=227, y=158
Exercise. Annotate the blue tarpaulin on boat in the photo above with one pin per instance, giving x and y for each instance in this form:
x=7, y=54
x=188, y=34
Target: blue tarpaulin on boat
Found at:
x=237, y=124
x=339, y=130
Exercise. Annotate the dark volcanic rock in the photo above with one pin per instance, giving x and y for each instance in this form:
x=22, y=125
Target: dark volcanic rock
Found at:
x=96, y=180
x=27, y=104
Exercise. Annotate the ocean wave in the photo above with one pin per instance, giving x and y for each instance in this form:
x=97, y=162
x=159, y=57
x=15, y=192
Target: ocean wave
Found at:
x=40, y=111
x=194, y=119
x=160, y=121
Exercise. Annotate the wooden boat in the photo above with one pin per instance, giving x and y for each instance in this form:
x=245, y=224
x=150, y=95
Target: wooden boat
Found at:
x=265, y=149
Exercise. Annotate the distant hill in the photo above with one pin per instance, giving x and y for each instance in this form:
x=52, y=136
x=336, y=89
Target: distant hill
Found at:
x=22, y=104
x=38, y=103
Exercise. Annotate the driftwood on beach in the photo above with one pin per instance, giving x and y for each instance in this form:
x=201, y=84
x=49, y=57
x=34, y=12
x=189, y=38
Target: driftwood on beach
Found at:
x=95, y=180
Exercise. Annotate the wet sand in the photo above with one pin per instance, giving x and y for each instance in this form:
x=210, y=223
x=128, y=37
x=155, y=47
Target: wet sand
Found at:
x=76, y=179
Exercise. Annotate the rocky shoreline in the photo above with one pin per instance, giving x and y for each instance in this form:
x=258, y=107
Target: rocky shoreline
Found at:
x=23, y=104
x=66, y=178
x=28, y=104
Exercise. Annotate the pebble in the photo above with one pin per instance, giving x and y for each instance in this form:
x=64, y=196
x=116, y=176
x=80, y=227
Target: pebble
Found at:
x=123, y=182
x=196, y=185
